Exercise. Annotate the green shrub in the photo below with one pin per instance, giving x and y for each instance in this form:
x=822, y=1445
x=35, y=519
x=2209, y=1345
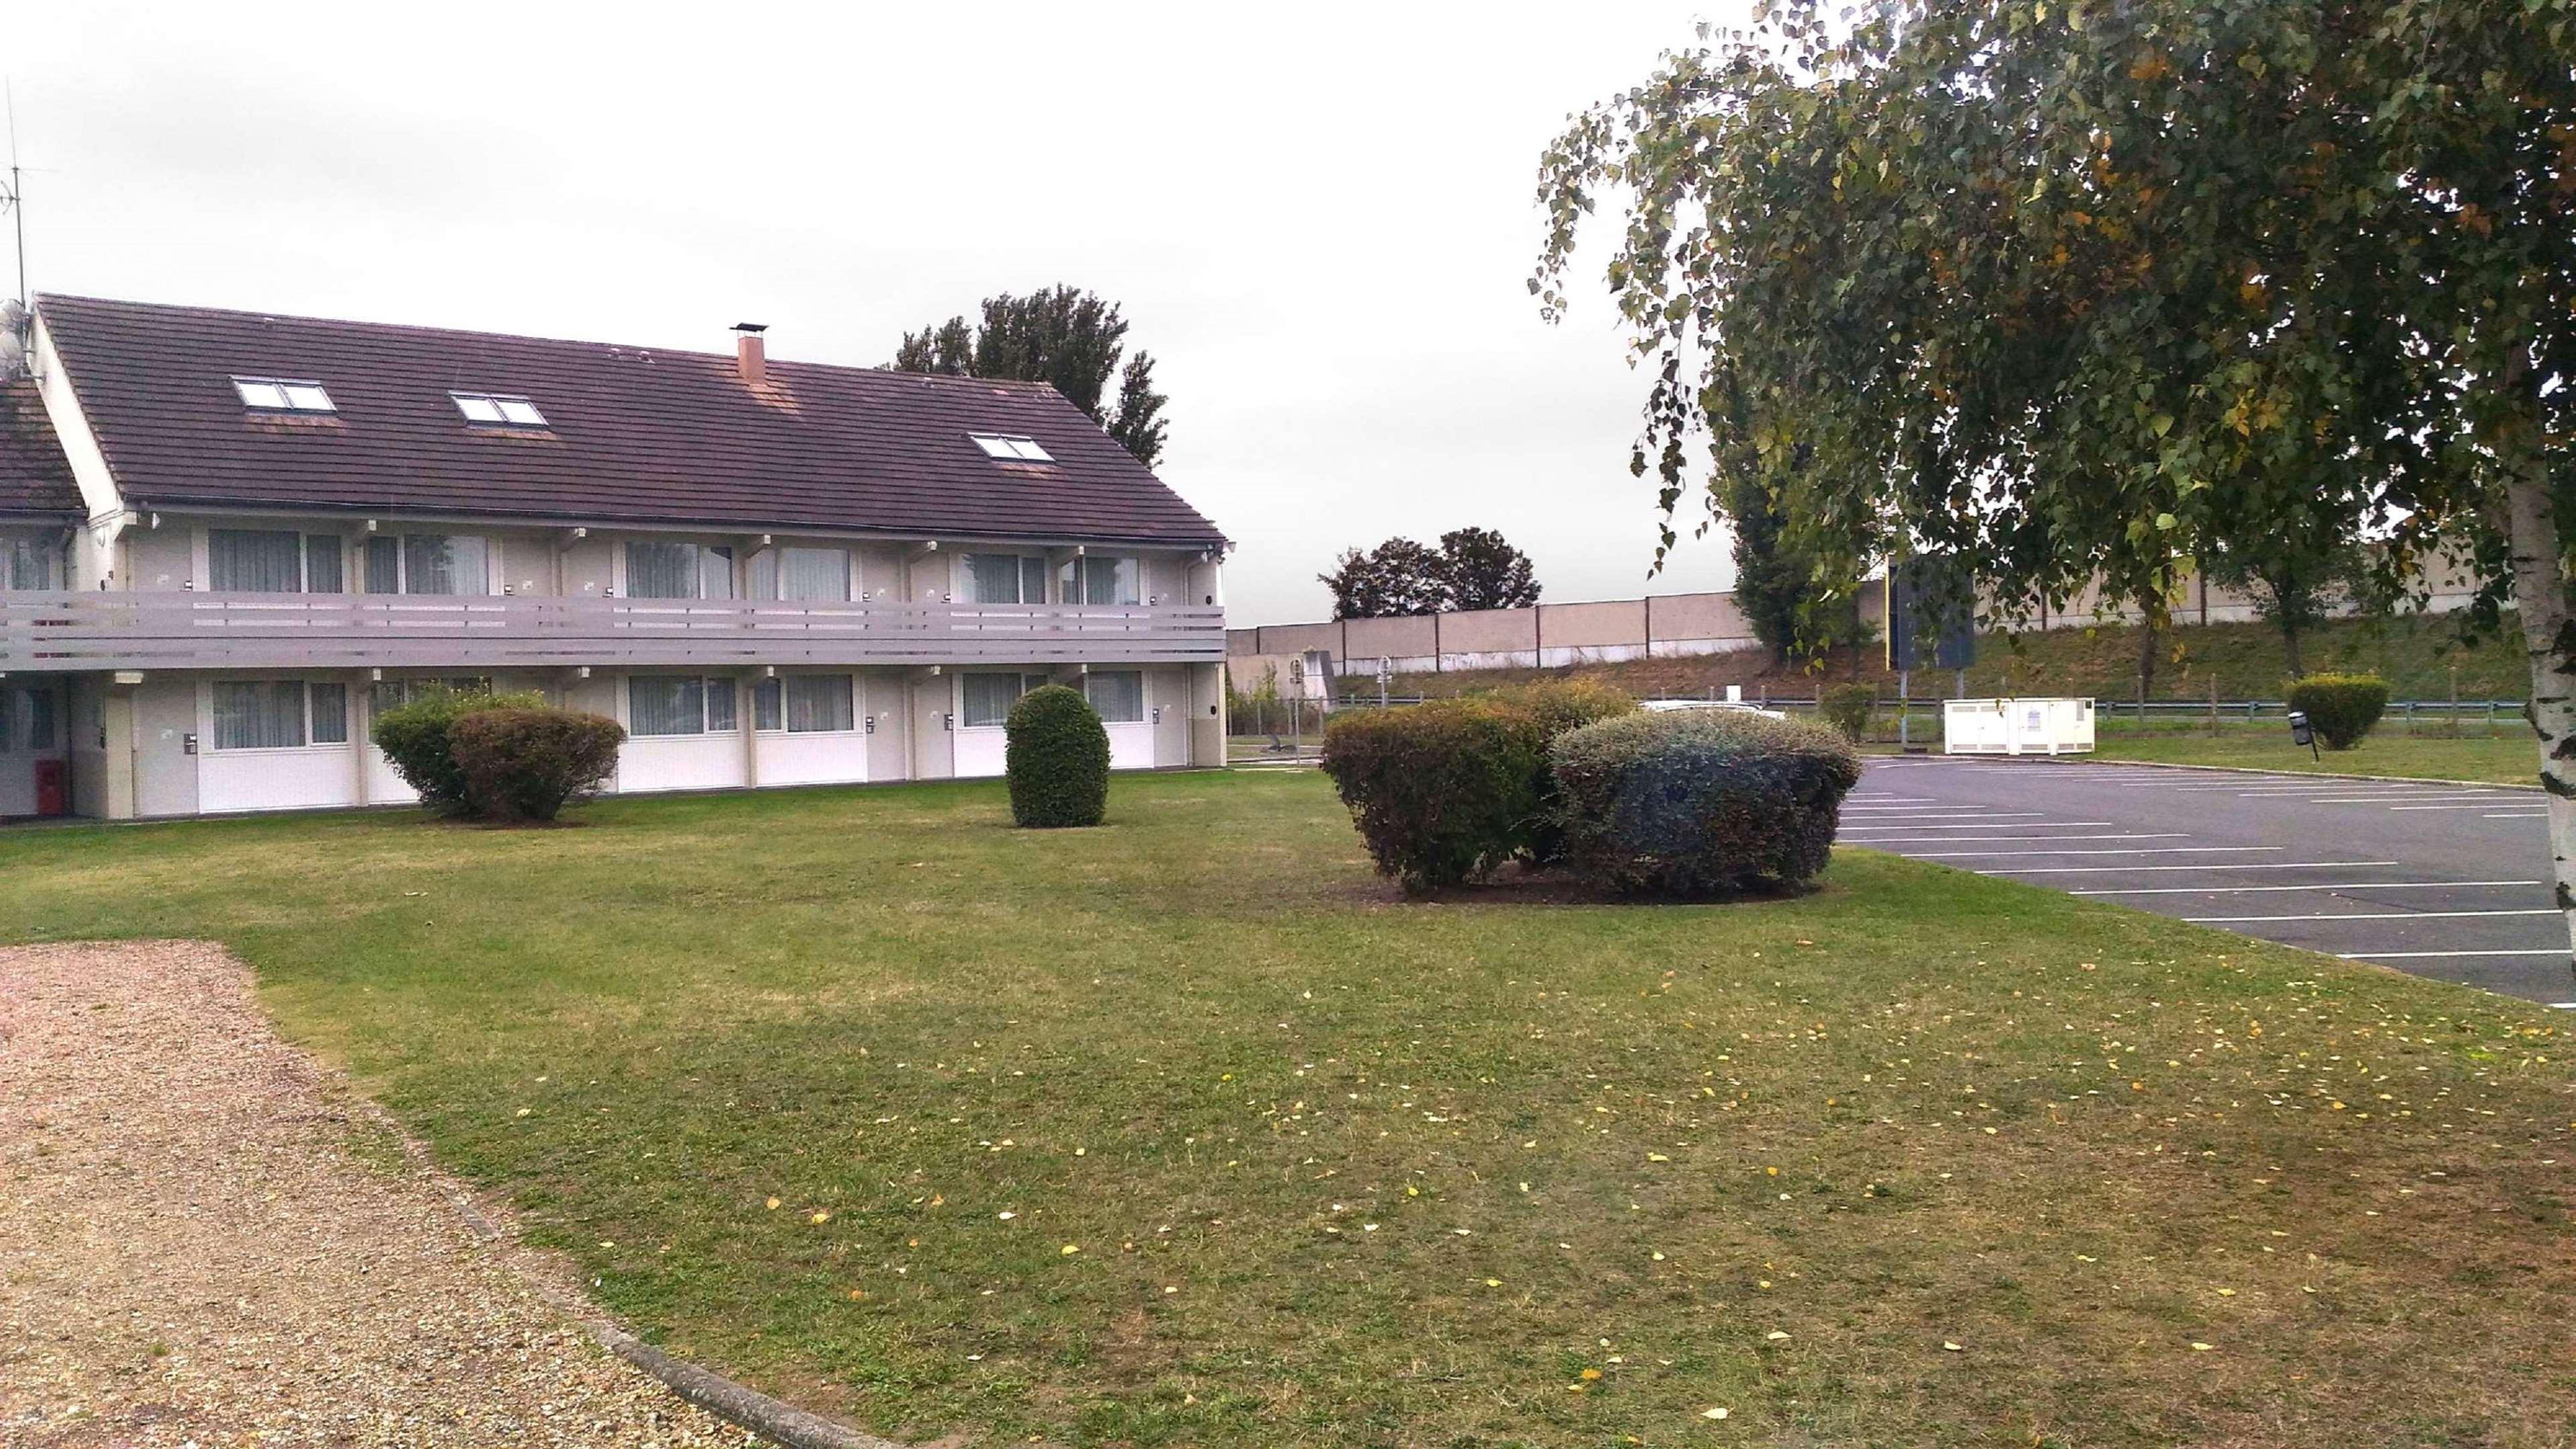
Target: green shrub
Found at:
x=414, y=739
x=525, y=764
x=1697, y=803
x=2340, y=707
x=1848, y=707
x=1442, y=792
x=1056, y=753
x=1559, y=706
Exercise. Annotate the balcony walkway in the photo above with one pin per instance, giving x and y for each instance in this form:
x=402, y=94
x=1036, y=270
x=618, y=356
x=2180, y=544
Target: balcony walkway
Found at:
x=55, y=631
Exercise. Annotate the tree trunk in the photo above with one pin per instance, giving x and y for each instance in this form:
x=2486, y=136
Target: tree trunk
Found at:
x=2146, y=658
x=2290, y=649
x=2540, y=594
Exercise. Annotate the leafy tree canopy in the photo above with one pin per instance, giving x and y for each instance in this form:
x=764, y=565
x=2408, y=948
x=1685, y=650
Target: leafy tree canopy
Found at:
x=2075, y=290
x=1473, y=568
x=1069, y=339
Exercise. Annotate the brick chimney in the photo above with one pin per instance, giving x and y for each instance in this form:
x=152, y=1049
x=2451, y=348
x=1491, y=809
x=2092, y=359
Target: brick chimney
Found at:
x=749, y=357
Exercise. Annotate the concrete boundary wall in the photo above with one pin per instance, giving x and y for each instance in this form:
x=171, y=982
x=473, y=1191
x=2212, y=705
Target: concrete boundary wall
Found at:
x=1676, y=625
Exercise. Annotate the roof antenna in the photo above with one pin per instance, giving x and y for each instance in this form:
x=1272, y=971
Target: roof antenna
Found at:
x=13, y=196
x=17, y=332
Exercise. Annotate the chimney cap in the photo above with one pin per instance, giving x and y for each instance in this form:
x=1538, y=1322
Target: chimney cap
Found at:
x=754, y=328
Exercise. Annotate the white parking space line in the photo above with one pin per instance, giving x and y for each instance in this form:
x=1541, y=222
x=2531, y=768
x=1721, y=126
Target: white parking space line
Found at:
x=2371, y=916
x=2482, y=796
x=1998, y=825
x=1981, y=839
x=2140, y=850
x=1901, y=816
x=2213, y=865
x=2481, y=805
x=2518, y=815
x=2431, y=955
x=2340, y=885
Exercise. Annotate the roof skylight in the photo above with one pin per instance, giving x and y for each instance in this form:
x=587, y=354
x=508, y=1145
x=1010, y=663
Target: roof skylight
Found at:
x=282, y=395
x=502, y=408
x=1012, y=447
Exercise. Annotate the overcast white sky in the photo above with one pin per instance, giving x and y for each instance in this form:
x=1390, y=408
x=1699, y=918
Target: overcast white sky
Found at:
x=1318, y=218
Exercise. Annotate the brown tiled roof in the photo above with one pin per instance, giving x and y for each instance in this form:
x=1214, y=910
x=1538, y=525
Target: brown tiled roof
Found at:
x=35, y=477
x=639, y=435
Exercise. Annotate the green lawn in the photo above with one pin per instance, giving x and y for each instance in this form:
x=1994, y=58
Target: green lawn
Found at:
x=1186, y=1131
x=2510, y=758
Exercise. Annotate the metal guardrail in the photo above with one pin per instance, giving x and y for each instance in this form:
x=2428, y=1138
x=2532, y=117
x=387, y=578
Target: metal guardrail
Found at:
x=56, y=631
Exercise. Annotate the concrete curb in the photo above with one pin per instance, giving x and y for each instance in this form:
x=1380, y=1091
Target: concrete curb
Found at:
x=2300, y=774
x=771, y=1418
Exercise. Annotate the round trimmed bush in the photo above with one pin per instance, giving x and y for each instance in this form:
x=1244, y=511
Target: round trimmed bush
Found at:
x=2340, y=707
x=1056, y=753
x=526, y=764
x=1442, y=792
x=1559, y=706
x=1699, y=803
x=415, y=740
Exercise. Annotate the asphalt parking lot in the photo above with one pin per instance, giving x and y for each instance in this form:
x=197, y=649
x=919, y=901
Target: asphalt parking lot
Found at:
x=2448, y=881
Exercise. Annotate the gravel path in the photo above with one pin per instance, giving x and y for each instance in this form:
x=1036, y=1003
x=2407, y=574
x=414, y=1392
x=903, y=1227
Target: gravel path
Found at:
x=191, y=1253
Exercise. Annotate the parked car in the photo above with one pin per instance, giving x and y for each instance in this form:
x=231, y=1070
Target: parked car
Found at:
x=1661, y=706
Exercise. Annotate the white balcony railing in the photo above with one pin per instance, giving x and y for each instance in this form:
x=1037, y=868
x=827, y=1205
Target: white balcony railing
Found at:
x=64, y=632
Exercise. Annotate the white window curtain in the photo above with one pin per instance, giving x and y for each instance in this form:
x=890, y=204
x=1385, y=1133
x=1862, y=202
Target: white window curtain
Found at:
x=321, y=564
x=814, y=574
x=442, y=563
x=1103, y=580
x=254, y=561
x=330, y=714
x=27, y=562
x=819, y=703
x=662, y=704
x=989, y=697
x=995, y=578
x=768, y=712
x=721, y=697
x=426, y=563
x=661, y=571
x=1118, y=695
x=264, y=714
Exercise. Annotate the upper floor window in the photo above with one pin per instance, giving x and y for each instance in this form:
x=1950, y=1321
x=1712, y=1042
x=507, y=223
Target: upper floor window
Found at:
x=265, y=561
x=1003, y=578
x=29, y=561
x=657, y=570
x=494, y=407
x=1095, y=579
x=1011, y=446
x=283, y=395
x=820, y=575
x=427, y=563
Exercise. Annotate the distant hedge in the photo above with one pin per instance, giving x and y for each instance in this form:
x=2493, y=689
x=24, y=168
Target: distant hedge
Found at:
x=1848, y=707
x=415, y=740
x=2340, y=707
x=1697, y=803
x=527, y=764
x=1443, y=792
x=1056, y=754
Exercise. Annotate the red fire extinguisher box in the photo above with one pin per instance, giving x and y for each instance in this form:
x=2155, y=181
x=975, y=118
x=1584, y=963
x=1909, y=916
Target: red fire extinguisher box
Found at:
x=53, y=788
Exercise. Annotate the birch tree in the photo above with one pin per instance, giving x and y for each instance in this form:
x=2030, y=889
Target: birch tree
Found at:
x=2073, y=291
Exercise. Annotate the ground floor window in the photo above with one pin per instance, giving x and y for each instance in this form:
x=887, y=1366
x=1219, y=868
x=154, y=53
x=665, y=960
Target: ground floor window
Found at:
x=279, y=714
x=395, y=693
x=1117, y=694
x=672, y=704
x=989, y=697
x=820, y=703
